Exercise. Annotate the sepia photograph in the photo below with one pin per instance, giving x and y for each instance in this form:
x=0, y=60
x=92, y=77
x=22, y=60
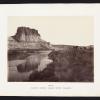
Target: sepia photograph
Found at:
x=50, y=49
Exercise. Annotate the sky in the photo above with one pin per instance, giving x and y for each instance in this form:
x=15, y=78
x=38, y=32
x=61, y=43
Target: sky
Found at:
x=67, y=30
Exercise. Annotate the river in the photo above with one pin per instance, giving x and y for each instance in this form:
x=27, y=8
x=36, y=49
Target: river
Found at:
x=19, y=70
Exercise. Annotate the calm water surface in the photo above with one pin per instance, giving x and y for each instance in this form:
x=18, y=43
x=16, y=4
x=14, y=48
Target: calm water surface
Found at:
x=20, y=69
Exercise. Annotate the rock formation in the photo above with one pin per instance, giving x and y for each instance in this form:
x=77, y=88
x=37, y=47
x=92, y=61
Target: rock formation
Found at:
x=27, y=38
x=25, y=34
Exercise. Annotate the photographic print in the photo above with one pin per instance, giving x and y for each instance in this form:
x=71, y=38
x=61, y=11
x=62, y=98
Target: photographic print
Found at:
x=50, y=49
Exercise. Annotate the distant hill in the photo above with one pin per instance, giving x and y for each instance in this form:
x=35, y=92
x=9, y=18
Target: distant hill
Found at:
x=70, y=47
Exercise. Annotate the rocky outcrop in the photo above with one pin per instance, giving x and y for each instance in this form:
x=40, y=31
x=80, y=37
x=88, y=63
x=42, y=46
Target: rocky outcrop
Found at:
x=27, y=38
x=26, y=34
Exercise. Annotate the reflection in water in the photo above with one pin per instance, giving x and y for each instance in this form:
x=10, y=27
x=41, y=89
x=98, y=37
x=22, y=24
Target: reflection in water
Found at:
x=31, y=63
x=43, y=63
x=34, y=63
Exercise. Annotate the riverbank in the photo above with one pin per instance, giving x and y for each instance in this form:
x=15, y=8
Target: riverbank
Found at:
x=74, y=65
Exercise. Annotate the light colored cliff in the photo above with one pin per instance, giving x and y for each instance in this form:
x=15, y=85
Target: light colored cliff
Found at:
x=27, y=38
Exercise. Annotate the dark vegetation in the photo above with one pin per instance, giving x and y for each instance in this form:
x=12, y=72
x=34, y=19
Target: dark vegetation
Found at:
x=74, y=65
x=47, y=75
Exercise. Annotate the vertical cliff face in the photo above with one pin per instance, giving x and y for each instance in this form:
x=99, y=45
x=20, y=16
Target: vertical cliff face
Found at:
x=26, y=34
x=27, y=38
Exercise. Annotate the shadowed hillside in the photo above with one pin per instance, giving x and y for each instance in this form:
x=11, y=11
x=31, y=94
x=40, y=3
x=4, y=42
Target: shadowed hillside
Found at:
x=74, y=65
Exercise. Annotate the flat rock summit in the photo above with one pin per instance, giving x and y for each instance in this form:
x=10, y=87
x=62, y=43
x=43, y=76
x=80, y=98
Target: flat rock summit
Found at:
x=27, y=38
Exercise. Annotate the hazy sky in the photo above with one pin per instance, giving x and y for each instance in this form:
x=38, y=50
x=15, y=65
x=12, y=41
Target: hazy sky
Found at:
x=69, y=30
